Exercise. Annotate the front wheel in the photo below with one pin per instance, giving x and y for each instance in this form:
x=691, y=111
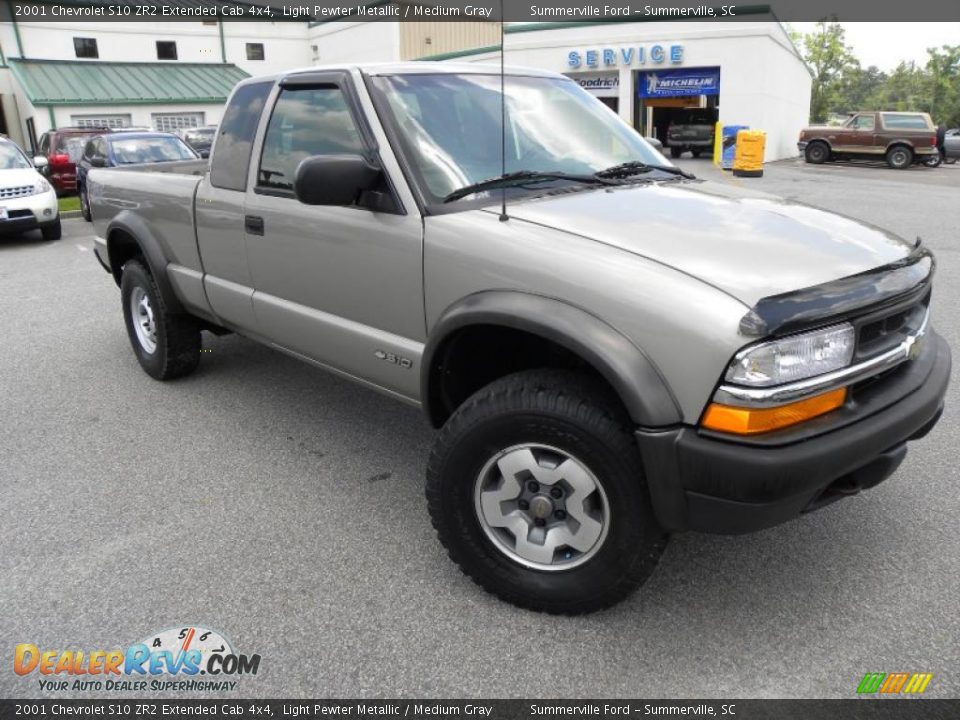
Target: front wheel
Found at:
x=899, y=157
x=167, y=345
x=696, y=153
x=53, y=231
x=536, y=488
x=676, y=152
x=933, y=161
x=817, y=153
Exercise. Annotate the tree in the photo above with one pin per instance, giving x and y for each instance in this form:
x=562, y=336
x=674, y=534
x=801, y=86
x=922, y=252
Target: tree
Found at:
x=943, y=65
x=860, y=89
x=829, y=57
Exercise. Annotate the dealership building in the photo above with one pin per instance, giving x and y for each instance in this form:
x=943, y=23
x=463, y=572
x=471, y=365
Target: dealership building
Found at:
x=739, y=72
x=171, y=75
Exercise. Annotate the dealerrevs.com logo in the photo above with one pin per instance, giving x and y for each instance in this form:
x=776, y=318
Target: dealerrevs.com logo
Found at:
x=171, y=660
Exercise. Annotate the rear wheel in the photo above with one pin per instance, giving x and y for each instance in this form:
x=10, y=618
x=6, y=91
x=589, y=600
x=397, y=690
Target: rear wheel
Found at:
x=676, y=152
x=167, y=345
x=696, y=153
x=817, y=153
x=899, y=157
x=536, y=488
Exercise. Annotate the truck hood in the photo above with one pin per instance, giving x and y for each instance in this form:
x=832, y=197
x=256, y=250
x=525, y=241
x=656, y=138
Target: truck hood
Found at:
x=749, y=244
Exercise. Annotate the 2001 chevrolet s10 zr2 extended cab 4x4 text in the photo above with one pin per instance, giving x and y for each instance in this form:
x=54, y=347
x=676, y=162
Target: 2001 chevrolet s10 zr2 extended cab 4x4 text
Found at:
x=628, y=352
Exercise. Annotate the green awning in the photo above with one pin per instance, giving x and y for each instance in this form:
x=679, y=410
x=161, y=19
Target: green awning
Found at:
x=57, y=82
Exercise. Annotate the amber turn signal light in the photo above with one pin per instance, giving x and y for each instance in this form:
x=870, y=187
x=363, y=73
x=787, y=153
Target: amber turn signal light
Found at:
x=751, y=421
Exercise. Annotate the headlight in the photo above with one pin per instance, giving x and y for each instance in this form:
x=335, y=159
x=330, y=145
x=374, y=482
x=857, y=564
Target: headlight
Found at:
x=792, y=358
x=42, y=186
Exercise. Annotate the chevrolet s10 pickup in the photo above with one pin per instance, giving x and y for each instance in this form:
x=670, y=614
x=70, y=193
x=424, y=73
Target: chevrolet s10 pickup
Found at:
x=611, y=349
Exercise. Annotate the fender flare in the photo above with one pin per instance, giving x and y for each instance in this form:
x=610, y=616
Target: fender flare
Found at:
x=640, y=386
x=151, y=249
x=907, y=143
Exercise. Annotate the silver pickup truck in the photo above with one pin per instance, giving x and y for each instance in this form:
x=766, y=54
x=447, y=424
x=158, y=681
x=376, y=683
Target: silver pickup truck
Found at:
x=611, y=349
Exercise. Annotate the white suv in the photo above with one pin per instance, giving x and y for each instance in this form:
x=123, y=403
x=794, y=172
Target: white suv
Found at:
x=27, y=201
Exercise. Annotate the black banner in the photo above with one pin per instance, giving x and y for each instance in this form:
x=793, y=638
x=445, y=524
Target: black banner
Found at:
x=854, y=709
x=549, y=11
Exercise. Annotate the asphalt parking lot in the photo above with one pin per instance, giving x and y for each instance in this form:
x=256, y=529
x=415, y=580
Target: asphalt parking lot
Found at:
x=284, y=507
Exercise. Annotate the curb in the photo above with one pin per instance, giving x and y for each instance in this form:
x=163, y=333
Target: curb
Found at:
x=68, y=214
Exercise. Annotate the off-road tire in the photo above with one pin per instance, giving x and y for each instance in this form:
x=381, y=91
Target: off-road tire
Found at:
x=580, y=416
x=816, y=153
x=676, y=152
x=899, y=157
x=177, y=337
x=696, y=153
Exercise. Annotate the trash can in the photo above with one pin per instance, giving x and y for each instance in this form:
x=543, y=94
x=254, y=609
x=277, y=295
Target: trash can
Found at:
x=748, y=158
x=729, y=144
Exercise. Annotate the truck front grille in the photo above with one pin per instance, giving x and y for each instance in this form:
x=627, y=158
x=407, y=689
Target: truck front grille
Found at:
x=7, y=193
x=880, y=331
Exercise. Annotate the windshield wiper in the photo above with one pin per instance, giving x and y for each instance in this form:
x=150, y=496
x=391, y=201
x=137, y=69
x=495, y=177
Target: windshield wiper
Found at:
x=635, y=167
x=522, y=177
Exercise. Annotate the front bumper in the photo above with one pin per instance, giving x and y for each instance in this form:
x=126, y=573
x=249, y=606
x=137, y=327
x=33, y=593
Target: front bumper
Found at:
x=690, y=142
x=29, y=212
x=706, y=482
x=802, y=145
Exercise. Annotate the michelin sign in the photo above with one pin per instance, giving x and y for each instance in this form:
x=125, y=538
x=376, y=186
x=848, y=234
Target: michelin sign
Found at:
x=679, y=83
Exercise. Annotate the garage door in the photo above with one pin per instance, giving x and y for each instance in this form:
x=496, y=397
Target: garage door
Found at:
x=98, y=121
x=171, y=122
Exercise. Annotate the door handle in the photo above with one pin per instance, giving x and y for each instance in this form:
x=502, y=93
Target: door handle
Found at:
x=253, y=224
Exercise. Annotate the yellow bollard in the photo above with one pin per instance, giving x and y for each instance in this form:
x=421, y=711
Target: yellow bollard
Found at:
x=748, y=162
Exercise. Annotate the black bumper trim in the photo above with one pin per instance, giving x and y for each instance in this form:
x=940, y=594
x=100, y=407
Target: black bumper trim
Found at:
x=703, y=483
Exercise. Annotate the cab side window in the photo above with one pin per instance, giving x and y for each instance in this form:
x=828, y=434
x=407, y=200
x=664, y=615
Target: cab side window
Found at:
x=305, y=122
x=863, y=122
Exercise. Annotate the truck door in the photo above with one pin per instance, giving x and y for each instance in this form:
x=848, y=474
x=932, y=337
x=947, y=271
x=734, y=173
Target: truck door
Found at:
x=219, y=208
x=340, y=285
x=860, y=135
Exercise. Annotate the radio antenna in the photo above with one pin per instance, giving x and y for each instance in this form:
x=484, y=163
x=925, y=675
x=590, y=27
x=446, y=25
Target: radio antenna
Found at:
x=503, y=123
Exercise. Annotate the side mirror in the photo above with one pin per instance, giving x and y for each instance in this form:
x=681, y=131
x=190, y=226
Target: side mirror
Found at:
x=334, y=179
x=40, y=162
x=657, y=145
x=98, y=161
x=204, y=153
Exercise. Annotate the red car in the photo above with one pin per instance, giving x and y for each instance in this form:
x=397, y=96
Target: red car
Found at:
x=63, y=147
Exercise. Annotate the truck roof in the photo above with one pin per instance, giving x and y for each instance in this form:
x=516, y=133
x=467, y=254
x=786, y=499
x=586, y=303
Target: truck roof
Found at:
x=413, y=68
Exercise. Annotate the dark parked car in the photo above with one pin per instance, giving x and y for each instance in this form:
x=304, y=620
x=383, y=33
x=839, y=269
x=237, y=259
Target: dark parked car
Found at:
x=62, y=149
x=128, y=148
x=200, y=139
x=691, y=130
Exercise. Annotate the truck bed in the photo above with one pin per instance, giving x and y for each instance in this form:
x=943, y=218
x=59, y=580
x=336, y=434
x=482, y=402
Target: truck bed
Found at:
x=158, y=197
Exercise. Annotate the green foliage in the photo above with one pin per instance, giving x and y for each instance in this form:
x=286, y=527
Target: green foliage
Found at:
x=841, y=85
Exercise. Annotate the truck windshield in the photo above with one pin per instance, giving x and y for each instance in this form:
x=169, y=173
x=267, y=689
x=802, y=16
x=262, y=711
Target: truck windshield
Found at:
x=449, y=127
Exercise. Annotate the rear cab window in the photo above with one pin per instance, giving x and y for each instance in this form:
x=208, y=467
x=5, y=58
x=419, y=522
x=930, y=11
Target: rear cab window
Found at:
x=905, y=122
x=234, y=143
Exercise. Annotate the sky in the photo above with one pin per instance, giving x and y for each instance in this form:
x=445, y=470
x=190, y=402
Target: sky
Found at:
x=886, y=44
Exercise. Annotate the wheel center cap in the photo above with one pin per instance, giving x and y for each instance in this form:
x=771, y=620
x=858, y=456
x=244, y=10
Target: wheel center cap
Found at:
x=541, y=507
